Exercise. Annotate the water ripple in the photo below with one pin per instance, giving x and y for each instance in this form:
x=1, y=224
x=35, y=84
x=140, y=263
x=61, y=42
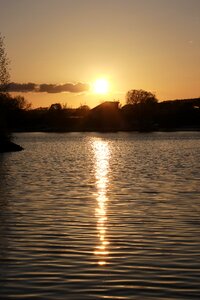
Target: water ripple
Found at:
x=93, y=216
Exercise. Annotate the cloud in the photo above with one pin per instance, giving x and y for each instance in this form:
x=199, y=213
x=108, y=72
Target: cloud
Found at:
x=21, y=87
x=67, y=87
x=48, y=88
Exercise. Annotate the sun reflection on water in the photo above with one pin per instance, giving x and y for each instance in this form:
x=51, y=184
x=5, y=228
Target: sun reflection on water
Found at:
x=101, y=153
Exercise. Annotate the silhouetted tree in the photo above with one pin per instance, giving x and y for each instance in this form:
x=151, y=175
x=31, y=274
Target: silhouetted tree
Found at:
x=56, y=117
x=55, y=107
x=10, y=108
x=140, y=110
x=4, y=66
x=4, y=80
x=82, y=110
x=140, y=97
x=19, y=102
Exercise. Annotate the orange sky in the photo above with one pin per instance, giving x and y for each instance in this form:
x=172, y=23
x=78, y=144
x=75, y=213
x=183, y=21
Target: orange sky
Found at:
x=148, y=44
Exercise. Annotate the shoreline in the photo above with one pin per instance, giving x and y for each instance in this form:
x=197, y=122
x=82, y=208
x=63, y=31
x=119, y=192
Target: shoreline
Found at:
x=194, y=129
x=8, y=146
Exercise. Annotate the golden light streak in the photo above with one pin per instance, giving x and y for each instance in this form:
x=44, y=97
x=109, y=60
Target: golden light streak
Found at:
x=101, y=154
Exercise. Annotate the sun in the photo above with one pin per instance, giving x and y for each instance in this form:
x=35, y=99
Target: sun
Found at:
x=100, y=86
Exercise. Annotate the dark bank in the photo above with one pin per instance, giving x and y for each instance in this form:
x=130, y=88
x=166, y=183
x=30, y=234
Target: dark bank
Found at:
x=142, y=115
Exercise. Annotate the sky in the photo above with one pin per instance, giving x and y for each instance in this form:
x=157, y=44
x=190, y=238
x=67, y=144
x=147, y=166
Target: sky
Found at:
x=63, y=46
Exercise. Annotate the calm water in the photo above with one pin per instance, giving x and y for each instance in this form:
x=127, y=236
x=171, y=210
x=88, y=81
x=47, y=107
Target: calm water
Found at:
x=101, y=216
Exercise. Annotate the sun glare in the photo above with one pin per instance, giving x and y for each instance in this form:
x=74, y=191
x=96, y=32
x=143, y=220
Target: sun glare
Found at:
x=100, y=86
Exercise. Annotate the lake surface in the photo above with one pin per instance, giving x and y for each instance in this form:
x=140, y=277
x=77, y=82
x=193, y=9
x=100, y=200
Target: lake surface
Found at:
x=101, y=216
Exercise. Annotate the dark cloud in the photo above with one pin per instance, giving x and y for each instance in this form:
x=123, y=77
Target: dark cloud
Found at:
x=67, y=87
x=48, y=88
x=21, y=87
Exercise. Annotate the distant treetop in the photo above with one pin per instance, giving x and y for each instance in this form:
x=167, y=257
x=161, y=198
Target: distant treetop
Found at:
x=4, y=66
x=140, y=97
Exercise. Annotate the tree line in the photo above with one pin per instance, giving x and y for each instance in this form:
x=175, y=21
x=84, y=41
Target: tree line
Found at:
x=142, y=112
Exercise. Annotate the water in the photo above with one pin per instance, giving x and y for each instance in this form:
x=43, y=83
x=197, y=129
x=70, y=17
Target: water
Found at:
x=101, y=216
